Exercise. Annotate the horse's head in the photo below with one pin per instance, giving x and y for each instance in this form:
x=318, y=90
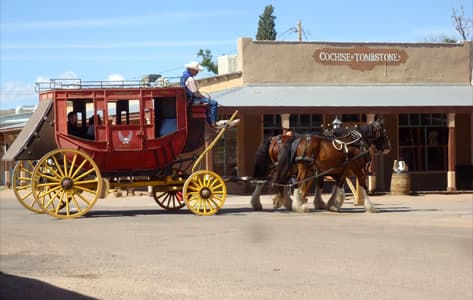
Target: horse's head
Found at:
x=375, y=134
x=379, y=137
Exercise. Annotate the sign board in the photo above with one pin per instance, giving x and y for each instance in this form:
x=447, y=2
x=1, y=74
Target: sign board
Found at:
x=360, y=58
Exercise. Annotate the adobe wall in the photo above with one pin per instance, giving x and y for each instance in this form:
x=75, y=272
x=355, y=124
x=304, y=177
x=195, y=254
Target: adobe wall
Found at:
x=354, y=63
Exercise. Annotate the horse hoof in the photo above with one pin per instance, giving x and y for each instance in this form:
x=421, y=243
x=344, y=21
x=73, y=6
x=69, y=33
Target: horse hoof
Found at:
x=258, y=208
x=305, y=208
x=333, y=208
x=372, y=209
x=322, y=206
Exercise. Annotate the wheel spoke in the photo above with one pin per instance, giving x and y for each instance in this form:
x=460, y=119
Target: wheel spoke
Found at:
x=73, y=163
x=170, y=200
x=84, y=189
x=27, y=195
x=59, y=203
x=57, y=167
x=80, y=168
x=24, y=187
x=82, y=175
x=76, y=203
x=64, y=162
x=83, y=199
x=45, y=176
x=49, y=191
x=56, y=193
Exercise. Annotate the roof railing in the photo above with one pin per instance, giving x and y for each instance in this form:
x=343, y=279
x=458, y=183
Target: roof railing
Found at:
x=77, y=83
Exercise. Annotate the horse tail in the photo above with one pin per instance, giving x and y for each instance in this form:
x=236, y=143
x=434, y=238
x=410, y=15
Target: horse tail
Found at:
x=262, y=161
x=284, y=166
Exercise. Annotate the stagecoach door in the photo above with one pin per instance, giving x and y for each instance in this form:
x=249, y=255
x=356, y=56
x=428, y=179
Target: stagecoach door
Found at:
x=125, y=124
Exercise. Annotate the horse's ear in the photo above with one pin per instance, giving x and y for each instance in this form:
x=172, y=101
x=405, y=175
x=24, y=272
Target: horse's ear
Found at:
x=380, y=119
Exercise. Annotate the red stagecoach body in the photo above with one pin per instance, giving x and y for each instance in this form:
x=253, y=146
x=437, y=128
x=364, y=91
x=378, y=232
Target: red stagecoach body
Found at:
x=137, y=130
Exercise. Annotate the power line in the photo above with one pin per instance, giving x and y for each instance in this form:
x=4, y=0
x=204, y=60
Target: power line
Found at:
x=296, y=29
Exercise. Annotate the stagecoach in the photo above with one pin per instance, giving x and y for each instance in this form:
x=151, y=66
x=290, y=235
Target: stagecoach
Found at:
x=142, y=137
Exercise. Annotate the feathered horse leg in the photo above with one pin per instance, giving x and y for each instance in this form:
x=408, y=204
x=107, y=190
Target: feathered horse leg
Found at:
x=298, y=205
x=256, y=196
x=333, y=198
x=318, y=201
x=369, y=207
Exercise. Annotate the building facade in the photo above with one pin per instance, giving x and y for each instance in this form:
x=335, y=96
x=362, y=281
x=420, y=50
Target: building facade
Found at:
x=422, y=91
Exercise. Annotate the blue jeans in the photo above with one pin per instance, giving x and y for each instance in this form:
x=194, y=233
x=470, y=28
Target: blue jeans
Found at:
x=211, y=111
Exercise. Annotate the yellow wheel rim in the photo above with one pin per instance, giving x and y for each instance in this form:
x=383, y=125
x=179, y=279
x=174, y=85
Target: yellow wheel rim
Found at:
x=22, y=174
x=66, y=183
x=204, y=192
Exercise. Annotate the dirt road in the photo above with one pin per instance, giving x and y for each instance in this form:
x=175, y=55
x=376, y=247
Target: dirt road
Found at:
x=417, y=247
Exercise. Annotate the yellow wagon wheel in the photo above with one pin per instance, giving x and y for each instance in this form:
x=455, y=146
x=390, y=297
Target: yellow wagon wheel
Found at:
x=170, y=200
x=22, y=174
x=66, y=183
x=204, y=192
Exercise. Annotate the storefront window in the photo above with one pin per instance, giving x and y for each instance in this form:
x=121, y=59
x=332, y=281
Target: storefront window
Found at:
x=306, y=123
x=423, y=140
x=271, y=125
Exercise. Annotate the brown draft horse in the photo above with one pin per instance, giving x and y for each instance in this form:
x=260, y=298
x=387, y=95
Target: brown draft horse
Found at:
x=265, y=167
x=338, y=157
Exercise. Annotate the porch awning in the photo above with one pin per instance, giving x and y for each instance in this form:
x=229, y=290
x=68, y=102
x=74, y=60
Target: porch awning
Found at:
x=381, y=97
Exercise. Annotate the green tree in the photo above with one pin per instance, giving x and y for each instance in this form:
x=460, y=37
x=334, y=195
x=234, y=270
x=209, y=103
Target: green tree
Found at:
x=207, y=61
x=266, y=26
x=441, y=39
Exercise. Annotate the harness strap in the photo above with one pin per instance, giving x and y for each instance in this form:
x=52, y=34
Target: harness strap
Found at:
x=317, y=174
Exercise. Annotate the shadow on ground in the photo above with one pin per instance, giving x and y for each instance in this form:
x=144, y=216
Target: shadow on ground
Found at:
x=16, y=287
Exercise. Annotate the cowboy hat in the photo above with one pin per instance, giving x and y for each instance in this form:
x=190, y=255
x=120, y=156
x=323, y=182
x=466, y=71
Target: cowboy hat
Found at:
x=194, y=66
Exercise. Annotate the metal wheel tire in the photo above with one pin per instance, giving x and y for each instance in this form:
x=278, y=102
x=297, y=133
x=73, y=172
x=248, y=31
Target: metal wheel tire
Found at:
x=21, y=184
x=66, y=183
x=170, y=200
x=204, y=192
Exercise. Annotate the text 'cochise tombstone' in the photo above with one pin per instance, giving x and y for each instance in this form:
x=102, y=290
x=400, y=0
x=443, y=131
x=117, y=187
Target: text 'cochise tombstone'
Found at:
x=360, y=58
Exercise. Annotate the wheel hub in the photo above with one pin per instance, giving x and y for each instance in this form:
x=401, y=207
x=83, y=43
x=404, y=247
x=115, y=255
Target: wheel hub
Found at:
x=205, y=193
x=67, y=183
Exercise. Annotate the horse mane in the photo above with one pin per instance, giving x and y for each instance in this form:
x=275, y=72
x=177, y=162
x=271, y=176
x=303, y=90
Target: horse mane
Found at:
x=366, y=131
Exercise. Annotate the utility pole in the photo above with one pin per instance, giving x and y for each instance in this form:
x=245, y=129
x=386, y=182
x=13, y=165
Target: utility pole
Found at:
x=299, y=30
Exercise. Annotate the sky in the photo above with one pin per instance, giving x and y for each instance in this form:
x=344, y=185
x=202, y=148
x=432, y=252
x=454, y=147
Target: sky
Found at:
x=125, y=40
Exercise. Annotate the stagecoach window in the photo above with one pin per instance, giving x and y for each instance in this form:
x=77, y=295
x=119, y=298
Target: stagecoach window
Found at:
x=423, y=141
x=165, y=115
x=123, y=112
x=81, y=107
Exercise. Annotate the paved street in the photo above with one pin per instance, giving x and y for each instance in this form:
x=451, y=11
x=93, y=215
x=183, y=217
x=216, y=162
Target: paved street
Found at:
x=417, y=247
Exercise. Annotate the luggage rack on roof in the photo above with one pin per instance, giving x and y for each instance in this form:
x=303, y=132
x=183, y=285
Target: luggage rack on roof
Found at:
x=60, y=84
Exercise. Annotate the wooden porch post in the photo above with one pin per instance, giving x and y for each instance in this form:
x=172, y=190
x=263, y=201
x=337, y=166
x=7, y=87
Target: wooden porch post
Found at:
x=451, y=184
x=285, y=121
